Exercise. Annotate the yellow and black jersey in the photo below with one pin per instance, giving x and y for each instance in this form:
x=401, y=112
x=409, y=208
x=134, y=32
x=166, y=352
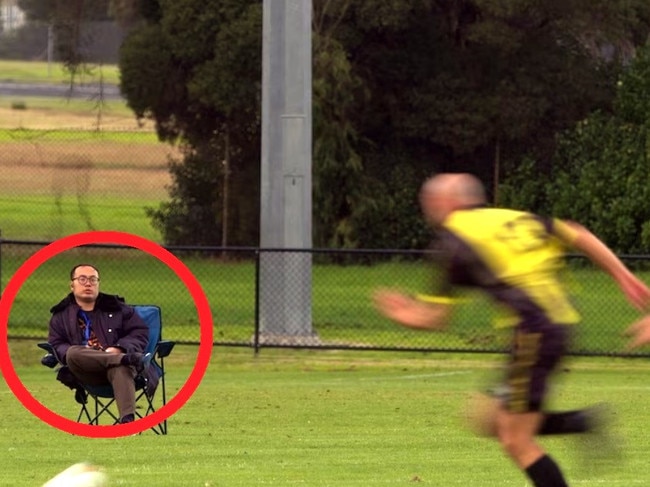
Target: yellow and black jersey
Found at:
x=513, y=256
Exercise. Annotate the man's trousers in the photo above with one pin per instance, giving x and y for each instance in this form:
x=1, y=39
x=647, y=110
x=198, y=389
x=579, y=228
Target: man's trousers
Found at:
x=96, y=367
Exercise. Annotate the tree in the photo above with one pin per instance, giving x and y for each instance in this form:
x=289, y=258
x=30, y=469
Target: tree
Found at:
x=196, y=71
x=461, y=85
x=602, y=167
x=68, y=11
x=336, y=162
x=67, y=19
x=402, y=88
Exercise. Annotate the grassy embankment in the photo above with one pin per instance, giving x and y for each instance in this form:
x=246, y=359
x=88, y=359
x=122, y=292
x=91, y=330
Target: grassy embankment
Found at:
x=71, y=165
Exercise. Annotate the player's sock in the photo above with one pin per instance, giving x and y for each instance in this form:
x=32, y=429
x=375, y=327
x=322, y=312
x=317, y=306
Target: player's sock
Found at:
x=566, y=422
x=545, y=473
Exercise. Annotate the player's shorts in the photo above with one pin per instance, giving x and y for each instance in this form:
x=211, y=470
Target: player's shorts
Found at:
x=533, y=359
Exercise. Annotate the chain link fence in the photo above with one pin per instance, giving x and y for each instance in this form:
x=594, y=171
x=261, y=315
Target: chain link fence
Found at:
x=74, y=164
x=336, y=313
x=61, y=174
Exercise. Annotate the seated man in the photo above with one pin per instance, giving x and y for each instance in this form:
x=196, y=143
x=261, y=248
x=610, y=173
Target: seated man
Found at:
x=100, y=339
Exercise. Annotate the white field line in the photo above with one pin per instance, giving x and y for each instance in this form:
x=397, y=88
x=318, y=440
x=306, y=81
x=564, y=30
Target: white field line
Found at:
x=385, y=378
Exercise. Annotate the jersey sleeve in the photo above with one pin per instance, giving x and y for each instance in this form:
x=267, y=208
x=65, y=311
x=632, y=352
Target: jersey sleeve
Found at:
x=563, y=231
x=440, y=289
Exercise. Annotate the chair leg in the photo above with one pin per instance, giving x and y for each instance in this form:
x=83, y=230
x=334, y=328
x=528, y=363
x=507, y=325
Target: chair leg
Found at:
x=84, y=411
x=160, y=428
x=100, y=408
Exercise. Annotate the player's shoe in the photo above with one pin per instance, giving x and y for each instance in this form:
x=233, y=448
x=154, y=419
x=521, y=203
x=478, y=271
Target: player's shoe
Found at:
x=601, y=448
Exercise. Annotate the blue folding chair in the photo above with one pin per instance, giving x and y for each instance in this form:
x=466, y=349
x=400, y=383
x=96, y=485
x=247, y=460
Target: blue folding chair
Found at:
x=103, y=397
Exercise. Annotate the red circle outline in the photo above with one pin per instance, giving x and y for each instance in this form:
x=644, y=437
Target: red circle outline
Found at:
x=106, y=237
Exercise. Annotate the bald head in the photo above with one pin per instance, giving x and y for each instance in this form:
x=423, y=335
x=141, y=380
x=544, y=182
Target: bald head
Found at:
x=446, y=192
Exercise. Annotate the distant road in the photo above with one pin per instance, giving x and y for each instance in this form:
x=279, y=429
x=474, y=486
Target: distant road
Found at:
x=79, y=91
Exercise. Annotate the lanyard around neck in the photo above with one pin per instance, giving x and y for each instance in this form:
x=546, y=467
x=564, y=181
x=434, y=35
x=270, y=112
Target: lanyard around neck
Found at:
x=86, y=320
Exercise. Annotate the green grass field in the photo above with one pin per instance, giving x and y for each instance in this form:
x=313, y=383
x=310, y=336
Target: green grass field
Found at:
x=58, y=182
x=55, y=73
x=73, y=165
x=319, y=418
x=46, y=218
x=284, y=418
x=342, y=310
x=77, y=137
x=75, y=106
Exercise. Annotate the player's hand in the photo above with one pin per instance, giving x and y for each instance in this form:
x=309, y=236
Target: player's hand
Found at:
x=640, y=332
x=113, y=350
x=410, y=312
x=636, y=291
x=389, y=302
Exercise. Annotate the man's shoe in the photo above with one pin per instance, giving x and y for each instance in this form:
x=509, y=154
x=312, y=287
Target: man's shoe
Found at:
x=129, y=418
x=49, y=360
x=138, y=360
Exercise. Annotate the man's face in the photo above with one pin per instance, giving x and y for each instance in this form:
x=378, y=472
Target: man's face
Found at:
x=85, y=284
x=434, y=207
x=437, y=198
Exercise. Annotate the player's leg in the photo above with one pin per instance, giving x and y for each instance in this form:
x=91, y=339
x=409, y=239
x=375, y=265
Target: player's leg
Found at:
x=516, y=433
x=513, y=389
x=569, y=422
x=481, y=412
x=537, y=350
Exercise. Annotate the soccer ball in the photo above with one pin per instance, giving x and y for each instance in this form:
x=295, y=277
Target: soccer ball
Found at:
x=79, y=475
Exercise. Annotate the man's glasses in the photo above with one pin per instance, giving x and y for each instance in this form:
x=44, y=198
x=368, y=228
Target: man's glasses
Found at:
x=83, y=280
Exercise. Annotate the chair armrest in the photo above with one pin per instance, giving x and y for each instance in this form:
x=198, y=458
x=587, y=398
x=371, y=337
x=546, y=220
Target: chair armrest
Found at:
x=165, y=348
x=47, y=347
x=50, y=359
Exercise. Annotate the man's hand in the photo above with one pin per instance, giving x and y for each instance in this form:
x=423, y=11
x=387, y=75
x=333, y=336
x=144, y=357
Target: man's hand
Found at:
x=410, y=312
x=113, y=350
x=640, y=332
x=636, y=291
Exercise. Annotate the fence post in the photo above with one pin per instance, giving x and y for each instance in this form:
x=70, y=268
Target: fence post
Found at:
x=256, y=334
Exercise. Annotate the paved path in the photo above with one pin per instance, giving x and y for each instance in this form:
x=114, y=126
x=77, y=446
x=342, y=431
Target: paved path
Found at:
x=87, y=91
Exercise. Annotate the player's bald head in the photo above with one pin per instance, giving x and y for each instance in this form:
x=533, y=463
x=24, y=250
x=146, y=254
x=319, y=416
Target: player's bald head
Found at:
x=447, y=192
x=463, y=187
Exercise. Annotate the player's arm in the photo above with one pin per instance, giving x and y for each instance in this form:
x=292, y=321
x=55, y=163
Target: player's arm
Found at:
x=640, y=332
x=578, y=237
x=413, y=312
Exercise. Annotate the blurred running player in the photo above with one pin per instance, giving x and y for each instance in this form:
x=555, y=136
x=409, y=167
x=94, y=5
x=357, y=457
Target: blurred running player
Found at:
x=514, y=257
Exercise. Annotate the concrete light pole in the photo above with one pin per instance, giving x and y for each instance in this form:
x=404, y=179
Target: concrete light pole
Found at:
x=286, y=184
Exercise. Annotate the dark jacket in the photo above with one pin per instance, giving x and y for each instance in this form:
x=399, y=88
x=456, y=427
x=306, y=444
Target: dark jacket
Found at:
x=115, y=324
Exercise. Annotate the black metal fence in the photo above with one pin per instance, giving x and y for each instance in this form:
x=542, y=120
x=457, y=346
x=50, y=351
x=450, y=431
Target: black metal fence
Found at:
x=295, y=298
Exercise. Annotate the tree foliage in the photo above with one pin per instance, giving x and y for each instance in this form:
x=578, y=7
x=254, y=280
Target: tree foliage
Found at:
x=604, y=180
x=196, y=71
x=602, y=175
x=449, y=85
x=401, y=89
x=601, y=168
x=67, y=19
x=191, y=215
